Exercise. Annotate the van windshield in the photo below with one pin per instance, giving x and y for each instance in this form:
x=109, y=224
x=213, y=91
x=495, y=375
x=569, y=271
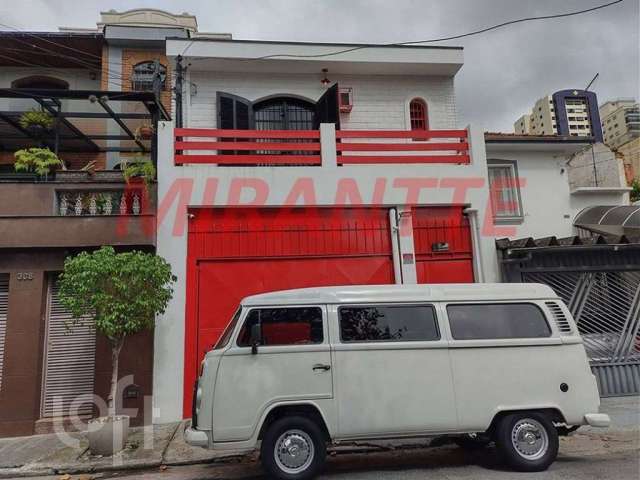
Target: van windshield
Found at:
x=223, y=341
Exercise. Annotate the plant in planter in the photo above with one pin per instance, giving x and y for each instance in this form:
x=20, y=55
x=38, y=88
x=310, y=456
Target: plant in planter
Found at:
x=140, y=169
x=37, y=160
x=122, y=292
x=36, y=121
x=144, y=132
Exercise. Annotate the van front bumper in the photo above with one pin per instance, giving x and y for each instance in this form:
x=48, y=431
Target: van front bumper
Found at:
x=597, y=419
x=196, y=438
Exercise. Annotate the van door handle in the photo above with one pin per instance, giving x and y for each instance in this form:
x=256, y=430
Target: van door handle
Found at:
x=319, y=366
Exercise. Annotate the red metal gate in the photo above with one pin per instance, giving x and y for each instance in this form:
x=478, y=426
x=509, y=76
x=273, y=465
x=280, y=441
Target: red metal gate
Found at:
x=442, y=243
x=235, y=252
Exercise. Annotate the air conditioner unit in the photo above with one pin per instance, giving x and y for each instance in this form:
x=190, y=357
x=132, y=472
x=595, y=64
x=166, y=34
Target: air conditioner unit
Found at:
x=345, y=99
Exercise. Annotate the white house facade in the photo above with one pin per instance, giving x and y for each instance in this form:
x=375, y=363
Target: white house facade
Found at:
x=293, y=172
x=546, y=181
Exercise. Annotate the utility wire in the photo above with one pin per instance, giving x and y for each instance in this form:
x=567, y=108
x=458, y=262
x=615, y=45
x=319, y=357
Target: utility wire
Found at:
x=116, y=78
x=433, y=40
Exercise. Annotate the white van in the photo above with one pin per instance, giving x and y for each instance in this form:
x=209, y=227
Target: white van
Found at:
x=298, y=369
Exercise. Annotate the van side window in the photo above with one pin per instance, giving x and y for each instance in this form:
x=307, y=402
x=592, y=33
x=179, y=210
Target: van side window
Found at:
x=284, y=326
x=388, y=323
x=499, y=320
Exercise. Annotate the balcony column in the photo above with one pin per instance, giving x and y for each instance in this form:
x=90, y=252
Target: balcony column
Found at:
x=328, y=145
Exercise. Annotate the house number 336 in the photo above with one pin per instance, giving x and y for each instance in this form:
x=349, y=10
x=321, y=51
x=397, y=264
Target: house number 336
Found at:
x=24, y=276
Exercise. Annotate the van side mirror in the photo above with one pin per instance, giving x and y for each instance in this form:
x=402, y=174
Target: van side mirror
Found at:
x=256, y=337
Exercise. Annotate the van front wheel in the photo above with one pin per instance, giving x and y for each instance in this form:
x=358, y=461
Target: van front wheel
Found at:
x=527, y=441
x=293, y=448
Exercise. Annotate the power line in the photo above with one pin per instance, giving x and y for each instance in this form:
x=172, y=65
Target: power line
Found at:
x=433, y=40
x=116, y=78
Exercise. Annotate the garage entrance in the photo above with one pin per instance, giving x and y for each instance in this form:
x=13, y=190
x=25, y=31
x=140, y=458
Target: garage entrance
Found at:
x=235, y=252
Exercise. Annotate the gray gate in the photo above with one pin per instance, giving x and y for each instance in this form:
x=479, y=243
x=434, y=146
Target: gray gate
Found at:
x=606, y=306
x=601, y=286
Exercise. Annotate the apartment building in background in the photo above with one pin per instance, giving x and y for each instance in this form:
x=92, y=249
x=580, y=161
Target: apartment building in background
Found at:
x=567, y=112
x=620, y=121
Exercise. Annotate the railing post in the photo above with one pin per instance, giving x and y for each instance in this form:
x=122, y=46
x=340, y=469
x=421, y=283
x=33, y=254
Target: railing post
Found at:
x=328, y=153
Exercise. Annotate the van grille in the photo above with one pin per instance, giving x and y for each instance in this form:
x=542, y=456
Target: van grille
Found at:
x=562, y=322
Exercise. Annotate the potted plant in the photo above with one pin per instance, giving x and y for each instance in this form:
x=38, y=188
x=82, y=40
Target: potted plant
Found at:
x=144, y=132
x=123, y=293
x=139, y=169
x=36, y=121
x=37, y=160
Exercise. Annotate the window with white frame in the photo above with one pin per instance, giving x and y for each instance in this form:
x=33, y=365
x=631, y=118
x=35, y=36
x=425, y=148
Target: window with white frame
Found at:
x=505, y=190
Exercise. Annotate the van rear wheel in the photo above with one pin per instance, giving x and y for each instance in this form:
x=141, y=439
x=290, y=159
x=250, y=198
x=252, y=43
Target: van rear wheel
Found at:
x=527, y=441
x=293, y=448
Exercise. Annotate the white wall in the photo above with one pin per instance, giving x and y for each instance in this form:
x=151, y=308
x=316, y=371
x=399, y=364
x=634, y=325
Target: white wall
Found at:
x=597, y=166
x=549, y=207
x=172, y=244
x=380, y=102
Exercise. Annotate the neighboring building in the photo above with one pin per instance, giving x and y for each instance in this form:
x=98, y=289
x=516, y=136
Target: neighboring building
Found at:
x=78, y=76
x=557, y=179
x=567, y=112
x=358, y=178
x=620, y=121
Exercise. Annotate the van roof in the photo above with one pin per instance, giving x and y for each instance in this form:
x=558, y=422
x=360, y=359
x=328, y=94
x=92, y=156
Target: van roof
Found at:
x=404, y=293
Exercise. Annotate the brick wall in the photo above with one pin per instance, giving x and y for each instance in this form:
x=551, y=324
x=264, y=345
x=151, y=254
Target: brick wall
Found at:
x=380, y=102
x=131, y=57
x=631, y=152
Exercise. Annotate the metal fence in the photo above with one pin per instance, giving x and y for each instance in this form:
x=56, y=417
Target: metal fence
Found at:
x=602, y=291
x=606, y=306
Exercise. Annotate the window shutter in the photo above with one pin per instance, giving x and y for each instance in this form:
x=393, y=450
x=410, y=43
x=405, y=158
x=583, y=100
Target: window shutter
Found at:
x=4, y=306
x=234, y=112
x=328, y=108
x=69, y=360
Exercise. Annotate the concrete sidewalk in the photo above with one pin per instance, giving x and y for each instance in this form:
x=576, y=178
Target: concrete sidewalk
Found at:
x=48, y=454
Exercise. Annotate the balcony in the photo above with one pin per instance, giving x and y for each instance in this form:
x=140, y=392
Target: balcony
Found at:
x=315, y=148
x=67, y=213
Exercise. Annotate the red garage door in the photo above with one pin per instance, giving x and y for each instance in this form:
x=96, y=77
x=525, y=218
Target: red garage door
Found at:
x=442, y=242
x=235, y=252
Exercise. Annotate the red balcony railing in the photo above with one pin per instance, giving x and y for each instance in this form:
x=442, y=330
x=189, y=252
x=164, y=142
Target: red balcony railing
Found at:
x=232, y=147
x=302, y=147
x=406, y=146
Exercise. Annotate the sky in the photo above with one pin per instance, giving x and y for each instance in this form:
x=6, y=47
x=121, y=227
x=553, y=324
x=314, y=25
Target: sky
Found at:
x=505, y=71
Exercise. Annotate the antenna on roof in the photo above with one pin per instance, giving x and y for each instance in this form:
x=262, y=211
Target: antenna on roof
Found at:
x=592, y=80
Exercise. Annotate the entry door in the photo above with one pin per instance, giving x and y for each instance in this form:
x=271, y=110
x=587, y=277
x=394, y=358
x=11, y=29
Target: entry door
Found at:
x=69, y=366
x=392, y=371
x=293, y=363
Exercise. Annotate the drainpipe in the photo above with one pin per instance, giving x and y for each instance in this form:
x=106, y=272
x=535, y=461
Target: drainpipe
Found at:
x=395, y=245
x=472, y=214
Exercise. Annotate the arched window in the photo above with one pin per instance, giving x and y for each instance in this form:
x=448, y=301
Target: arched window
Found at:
x=143, y=74
x=418, y=114
x=284, y=113
x=40, y=81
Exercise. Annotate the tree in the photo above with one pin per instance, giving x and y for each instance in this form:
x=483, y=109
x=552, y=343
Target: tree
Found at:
x=635, y=192
x=123, y=292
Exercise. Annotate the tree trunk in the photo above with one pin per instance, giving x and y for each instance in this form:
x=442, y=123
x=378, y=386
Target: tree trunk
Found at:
x=116, y=346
